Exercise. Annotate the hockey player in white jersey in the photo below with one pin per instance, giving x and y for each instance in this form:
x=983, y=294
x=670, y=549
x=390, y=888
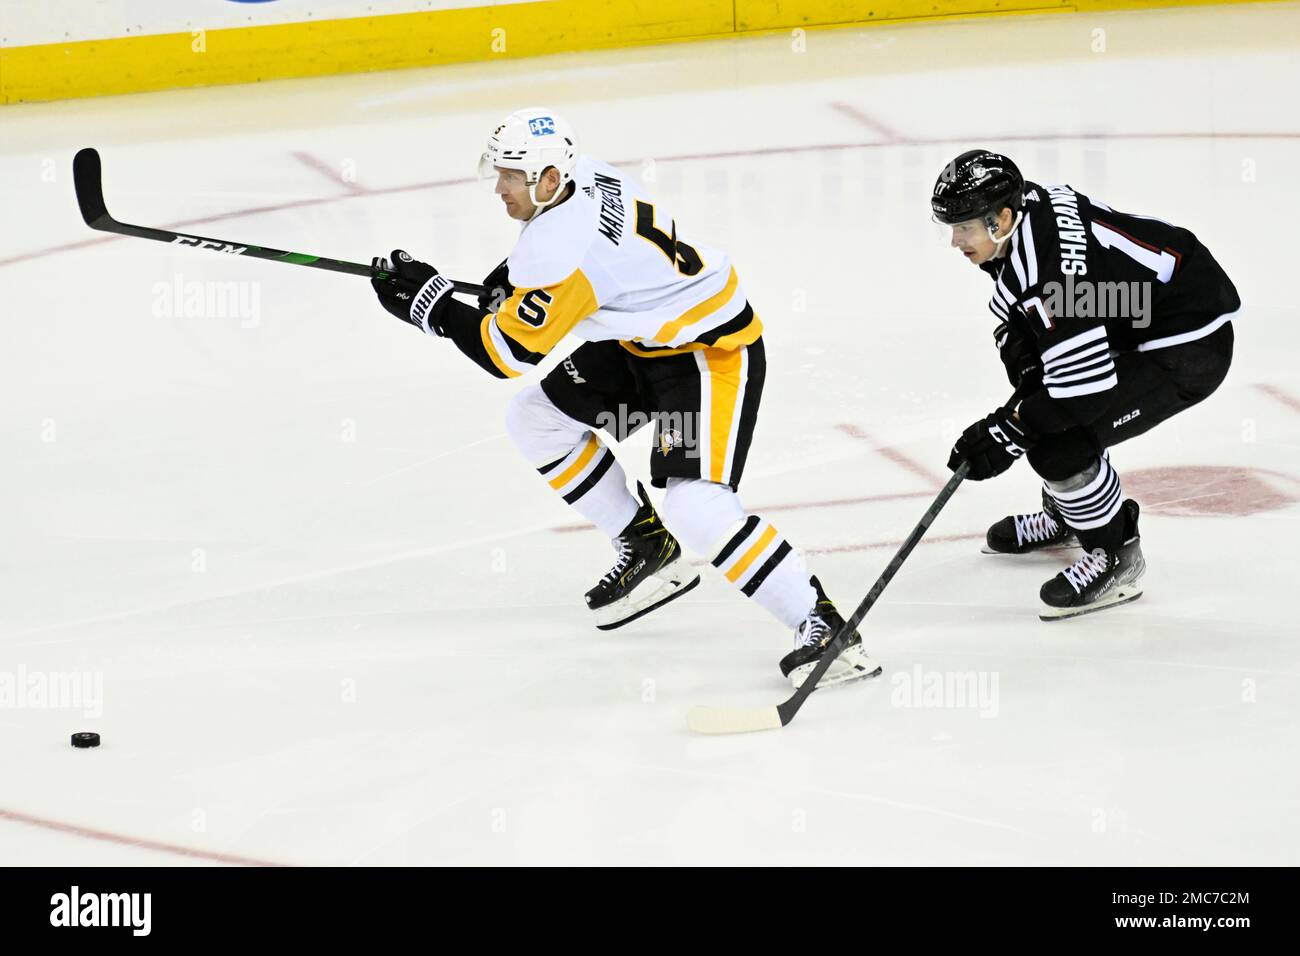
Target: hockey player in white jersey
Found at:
x=670, y=338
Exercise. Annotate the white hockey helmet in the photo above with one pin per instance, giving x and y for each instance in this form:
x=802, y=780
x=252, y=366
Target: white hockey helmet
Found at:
x=531, y=140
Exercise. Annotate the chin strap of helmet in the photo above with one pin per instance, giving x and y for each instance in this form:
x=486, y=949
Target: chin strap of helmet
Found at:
x=539, y=205
x=1000, y=244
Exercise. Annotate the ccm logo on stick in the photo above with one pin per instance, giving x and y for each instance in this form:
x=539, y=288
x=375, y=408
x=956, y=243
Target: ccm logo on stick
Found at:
x=209, y=244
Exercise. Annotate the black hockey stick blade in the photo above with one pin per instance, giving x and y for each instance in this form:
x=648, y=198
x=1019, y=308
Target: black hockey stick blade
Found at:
x=87, y=177
x=743, y=720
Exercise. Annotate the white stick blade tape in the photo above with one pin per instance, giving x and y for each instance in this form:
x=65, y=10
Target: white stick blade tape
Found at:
x=732, y=720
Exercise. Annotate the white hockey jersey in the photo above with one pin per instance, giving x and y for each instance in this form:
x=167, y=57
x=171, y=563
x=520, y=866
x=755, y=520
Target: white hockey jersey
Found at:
x=607, y=264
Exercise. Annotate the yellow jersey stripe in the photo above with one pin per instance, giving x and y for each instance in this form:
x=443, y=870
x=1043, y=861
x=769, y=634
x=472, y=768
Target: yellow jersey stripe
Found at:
x=704, y=309
x=565, y=304
x=724, y=389
x=746, y=336
x=566, y=476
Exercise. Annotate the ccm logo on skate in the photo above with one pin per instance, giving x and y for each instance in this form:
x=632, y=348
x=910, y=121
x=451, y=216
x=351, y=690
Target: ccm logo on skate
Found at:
x=209, y=244
x=1127, y=418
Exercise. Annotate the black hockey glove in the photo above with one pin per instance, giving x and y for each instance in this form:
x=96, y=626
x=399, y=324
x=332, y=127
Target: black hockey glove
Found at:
x=413, y=291
x=1019, y=357
x=496, y=289
x=991, y=446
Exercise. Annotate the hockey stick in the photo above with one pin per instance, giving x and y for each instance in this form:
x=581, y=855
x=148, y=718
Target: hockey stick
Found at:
x=87, y=177
x=742, y=720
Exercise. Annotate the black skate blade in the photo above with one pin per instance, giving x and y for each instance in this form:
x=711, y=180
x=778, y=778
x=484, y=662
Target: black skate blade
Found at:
x=646, y=610
x=1089, y=609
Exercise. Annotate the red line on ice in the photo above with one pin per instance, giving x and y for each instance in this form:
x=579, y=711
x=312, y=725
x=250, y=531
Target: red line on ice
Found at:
x=795, y=506
x=893, y=454
x=329, y=172
x=1281, y=395
x=874, y=545
x=892, y=543
x=870, y=122
x=729, y=154
x=235, y=214
x=90, y=833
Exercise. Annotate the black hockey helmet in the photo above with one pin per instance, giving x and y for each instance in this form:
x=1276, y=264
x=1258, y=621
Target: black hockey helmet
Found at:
x=976, y=185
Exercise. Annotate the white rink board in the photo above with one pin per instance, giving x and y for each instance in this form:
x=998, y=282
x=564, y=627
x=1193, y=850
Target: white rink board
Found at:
x=29, y=22
x=338, y=620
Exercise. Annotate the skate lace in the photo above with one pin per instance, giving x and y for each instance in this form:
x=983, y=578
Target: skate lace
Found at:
x=1035, y=527
x=1087, y=569
x=813, y=631
x=621, y=563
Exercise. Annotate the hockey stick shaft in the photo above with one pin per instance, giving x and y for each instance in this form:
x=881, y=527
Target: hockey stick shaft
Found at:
x=722, y=720
x=788, y=709
x=791, y=706
x=87, y=177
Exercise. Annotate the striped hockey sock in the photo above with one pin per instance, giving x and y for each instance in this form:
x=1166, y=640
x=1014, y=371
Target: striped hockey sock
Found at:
x=1088, y=501
x=590, y=478
x=759, y=561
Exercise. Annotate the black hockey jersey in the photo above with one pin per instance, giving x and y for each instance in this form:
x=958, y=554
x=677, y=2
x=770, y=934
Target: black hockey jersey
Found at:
x=1083, y=281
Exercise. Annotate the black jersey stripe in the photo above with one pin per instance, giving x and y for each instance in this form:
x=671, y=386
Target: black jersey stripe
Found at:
x=1075, y=389
x=1030, y=254
x=740, y=322
x=1017, y=267
x=1080, y=368
x=521, y=353
x=1080, y=378
x=1062, y=350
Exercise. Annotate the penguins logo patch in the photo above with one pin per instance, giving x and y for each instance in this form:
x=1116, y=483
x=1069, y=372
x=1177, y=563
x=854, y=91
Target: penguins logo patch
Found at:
x=669, y=438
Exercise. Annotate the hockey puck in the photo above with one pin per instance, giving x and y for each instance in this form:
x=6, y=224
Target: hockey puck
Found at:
x=85, y=739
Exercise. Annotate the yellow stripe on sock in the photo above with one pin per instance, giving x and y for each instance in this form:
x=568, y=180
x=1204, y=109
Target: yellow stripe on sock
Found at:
x=566, y=476
x=751, y=555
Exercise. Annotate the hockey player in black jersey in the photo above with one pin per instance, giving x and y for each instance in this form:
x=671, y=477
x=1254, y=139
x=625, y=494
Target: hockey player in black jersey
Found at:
x=1107, y=323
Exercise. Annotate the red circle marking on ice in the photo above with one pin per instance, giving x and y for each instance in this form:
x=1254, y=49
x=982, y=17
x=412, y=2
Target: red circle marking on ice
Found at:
x=1193, y=490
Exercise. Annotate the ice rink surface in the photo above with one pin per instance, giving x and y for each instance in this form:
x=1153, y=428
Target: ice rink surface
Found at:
x=338, y=621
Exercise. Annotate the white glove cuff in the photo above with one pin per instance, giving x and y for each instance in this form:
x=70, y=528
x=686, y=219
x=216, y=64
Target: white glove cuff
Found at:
x=423, y=304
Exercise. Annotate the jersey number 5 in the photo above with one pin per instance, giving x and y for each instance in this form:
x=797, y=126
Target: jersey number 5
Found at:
x=532, y=307
x=683, y=257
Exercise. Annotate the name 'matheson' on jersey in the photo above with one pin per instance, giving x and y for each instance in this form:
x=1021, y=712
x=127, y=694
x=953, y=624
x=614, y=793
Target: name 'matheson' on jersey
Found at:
x=607, y=264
